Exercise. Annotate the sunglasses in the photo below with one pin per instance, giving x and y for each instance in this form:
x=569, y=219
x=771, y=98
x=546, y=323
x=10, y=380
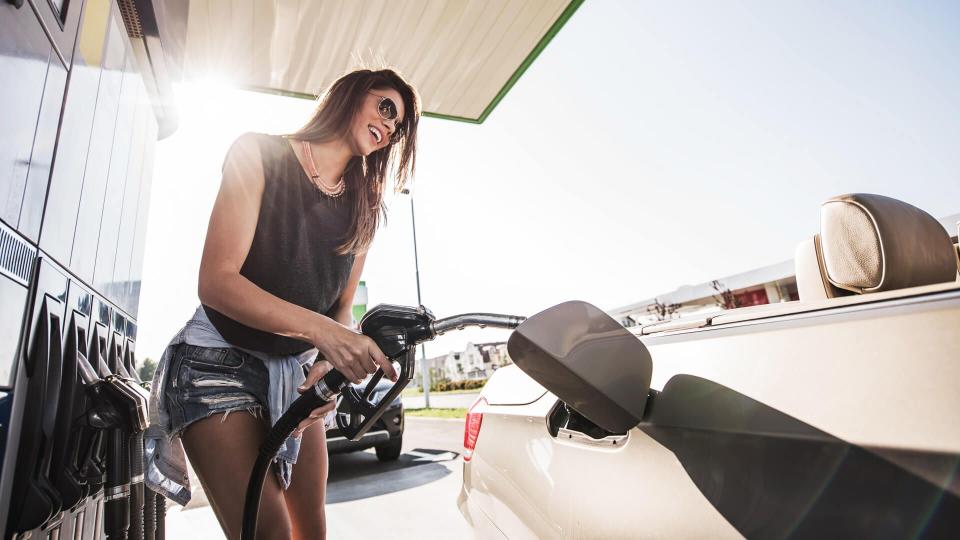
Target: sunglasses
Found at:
x=388, y=111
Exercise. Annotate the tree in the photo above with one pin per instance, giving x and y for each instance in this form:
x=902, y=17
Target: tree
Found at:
x=147, y=368
x=663, y=312
x=724, y=297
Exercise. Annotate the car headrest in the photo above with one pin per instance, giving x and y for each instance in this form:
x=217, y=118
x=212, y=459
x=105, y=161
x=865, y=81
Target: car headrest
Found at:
x=812, y=281
x=956, y=251
x=872, y=243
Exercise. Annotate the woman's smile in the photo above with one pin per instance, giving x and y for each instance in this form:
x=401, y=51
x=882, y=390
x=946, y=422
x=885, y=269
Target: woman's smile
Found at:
x=377, y=135
x=372, y=130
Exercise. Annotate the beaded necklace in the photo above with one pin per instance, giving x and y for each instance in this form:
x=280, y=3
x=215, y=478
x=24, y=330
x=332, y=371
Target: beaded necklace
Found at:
x=333, y=192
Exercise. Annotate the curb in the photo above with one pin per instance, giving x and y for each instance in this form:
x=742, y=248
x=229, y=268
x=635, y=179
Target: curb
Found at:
x=433, y=419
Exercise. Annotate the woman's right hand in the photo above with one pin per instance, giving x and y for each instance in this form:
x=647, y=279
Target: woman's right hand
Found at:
x=351, y=353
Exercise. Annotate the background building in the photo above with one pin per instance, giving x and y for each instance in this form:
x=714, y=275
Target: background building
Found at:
x=476, y=362
x=360, y=302
x=767, y=285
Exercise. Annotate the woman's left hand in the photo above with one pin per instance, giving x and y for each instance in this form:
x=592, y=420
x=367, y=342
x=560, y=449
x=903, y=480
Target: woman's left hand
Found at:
x=317, y=371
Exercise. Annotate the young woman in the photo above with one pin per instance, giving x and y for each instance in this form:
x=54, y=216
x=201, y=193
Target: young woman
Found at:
x=284, y=252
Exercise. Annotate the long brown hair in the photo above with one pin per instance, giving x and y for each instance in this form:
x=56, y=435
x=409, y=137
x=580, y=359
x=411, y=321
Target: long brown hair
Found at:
x=365, y=176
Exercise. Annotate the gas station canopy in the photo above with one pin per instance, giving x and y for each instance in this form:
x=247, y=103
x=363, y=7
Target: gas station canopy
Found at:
x=463, y=56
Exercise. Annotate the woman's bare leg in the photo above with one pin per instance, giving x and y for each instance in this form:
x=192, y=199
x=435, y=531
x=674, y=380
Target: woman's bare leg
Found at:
x=222, y=452
x=307, y=493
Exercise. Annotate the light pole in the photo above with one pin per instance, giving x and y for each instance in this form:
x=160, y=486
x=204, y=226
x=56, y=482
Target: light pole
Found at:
x=424, y=369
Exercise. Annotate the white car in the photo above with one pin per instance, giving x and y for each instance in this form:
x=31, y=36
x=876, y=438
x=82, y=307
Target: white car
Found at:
x=834, y=416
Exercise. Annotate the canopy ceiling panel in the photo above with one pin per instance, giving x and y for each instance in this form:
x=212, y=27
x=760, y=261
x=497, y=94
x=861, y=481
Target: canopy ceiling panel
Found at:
x=462, y=55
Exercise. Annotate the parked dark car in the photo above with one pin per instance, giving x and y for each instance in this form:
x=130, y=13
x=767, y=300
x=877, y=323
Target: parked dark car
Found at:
x=386, y=435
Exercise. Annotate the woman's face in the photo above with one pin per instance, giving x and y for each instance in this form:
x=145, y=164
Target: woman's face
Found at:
x=371, y=131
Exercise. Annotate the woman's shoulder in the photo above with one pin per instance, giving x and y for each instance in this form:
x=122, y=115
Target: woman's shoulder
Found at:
x=260, y=142
x=245, y=163
x=260, y=148
x=246, y=147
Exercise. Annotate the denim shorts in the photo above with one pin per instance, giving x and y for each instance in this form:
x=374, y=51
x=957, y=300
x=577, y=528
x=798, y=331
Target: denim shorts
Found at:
x=203, y=381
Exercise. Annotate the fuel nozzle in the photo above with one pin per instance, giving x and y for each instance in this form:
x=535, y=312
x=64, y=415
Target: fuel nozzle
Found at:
x=397, y=330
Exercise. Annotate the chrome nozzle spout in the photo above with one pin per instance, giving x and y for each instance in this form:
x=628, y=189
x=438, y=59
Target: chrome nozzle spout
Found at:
x=483, y=320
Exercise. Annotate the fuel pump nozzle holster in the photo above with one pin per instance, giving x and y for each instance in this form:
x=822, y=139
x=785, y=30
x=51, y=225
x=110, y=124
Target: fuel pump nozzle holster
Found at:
x=119, y=409
x=117, y=404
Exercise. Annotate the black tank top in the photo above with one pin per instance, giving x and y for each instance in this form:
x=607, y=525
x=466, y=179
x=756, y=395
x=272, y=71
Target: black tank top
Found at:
x=293, y=254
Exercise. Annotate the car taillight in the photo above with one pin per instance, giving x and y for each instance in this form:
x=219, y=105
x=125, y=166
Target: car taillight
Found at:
x=472, y=428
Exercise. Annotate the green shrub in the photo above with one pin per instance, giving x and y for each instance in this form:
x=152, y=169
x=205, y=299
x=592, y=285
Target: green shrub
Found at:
x=447, y=386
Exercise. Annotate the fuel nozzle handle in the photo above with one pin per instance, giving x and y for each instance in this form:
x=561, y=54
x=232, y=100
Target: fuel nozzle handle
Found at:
x=397, y=330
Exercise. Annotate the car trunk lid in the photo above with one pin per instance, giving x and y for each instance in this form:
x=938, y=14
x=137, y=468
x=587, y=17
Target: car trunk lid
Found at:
x=510, y=386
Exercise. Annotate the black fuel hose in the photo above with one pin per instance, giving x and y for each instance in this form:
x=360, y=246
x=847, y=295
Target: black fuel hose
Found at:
x=149, y=515
x=136, y=487
x=321, y=394
x=160, y=502
x=117, y=488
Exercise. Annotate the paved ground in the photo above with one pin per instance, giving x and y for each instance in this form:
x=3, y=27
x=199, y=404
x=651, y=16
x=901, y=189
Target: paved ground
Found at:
x=366, y=498
x=443, y=401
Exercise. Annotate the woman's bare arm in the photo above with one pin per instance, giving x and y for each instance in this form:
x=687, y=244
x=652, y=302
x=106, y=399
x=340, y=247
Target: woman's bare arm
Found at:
x=222, y=287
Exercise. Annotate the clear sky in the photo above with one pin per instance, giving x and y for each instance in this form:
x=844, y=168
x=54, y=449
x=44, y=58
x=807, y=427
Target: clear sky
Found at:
x=651, y=145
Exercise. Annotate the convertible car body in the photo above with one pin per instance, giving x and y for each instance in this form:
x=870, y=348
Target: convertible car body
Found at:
x=832, y=416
